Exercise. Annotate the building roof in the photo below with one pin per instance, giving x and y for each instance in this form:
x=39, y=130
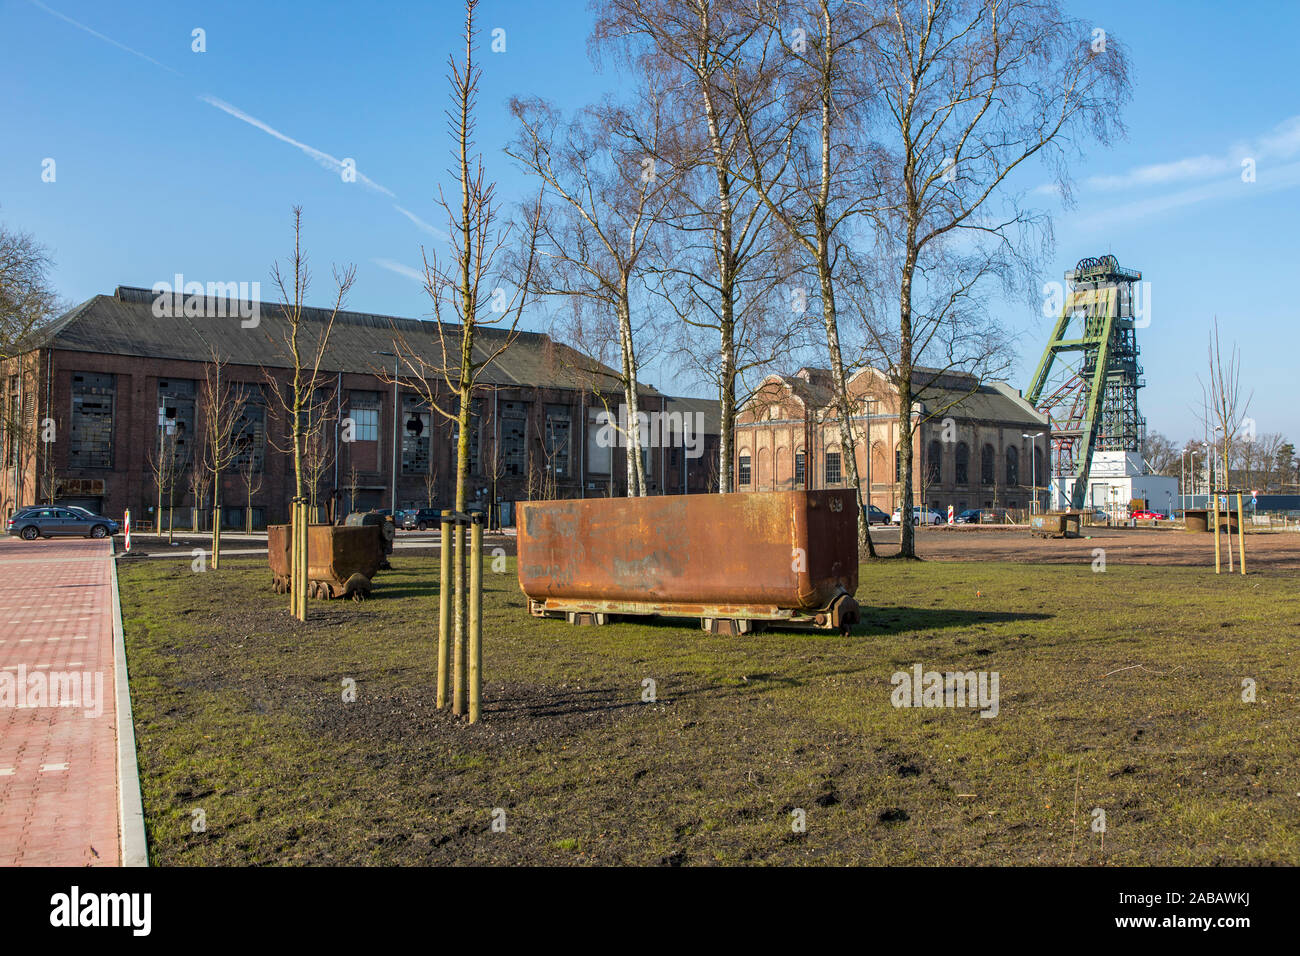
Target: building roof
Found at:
x=939, y=391
x=710, y=408
x=995, y=401
x=125, y=324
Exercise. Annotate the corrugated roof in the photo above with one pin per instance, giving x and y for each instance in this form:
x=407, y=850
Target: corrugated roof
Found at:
x=125, y=324
x=939, y=390
x=996, y=401
x=710, y=408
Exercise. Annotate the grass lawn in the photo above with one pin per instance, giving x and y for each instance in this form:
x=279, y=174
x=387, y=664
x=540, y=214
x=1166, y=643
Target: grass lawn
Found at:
x=239, y=713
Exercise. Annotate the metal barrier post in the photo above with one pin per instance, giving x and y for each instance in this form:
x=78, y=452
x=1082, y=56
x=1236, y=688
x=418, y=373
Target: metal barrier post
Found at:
x=1217, y=560
x=458, y=649
x=475, y=617
x=444, y=609
x=1241, y=532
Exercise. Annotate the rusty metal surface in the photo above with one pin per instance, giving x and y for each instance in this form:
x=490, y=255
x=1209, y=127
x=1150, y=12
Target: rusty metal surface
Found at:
x=749, y=553
x=334, y=555
x=277, y=549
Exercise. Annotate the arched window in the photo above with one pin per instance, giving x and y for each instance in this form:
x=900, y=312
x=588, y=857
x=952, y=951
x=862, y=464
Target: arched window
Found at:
x=934, y=463
x=832, y=476
x=1013, y=466
x=743, y=469
x=799, y=466
x=1039, y=475
x=962, y=476
x=986, y=465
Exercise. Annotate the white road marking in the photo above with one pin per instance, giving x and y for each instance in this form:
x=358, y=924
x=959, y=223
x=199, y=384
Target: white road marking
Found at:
x=47, y=767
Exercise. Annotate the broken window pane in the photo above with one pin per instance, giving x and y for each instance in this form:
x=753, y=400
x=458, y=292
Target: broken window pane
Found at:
x=91, y=445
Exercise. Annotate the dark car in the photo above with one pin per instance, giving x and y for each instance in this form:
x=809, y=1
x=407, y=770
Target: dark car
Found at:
x=874, y=515
x=982, y=516
x=33, y=523
x=421, y=519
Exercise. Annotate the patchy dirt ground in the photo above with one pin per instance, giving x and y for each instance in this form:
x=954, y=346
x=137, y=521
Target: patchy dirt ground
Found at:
x=653, y=743
x=1154, y=547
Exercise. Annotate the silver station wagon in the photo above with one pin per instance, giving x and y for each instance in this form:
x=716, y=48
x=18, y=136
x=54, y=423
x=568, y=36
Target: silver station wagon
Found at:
x=32, y=523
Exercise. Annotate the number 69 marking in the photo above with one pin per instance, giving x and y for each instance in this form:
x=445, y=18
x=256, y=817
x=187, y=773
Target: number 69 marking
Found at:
x=837, y=504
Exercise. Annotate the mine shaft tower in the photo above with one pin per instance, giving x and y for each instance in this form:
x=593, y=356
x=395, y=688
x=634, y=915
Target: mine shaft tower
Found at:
x=1087, y=380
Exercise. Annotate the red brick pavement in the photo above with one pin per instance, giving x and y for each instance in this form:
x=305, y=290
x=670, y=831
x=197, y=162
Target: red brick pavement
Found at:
x=58, y=766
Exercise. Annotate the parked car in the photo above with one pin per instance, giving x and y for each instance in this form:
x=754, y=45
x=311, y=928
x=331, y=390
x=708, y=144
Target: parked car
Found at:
x=874, y=515
x=982, y=516
x=47, y=522
x=920, y=516
x=1148, y=516
x=31, y=508
x=421, y=519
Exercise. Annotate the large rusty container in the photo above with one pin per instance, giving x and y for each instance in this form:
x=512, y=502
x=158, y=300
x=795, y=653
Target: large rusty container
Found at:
x=385, y=525
x=789, y=557
x=1056, y=524
x=341, y=561
x=1198, y=520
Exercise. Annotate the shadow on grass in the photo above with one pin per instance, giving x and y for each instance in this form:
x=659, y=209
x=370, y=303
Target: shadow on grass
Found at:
x=874, y=622
x=900, y=620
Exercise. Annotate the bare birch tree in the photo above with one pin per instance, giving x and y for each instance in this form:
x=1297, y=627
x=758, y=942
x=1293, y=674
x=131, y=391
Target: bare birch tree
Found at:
x=221, y=407
x=724, y=272
x=482, y=284
x=970, y=90
x=607, y=192
x=27, y=297
x=1226, y=403
x=801, y=122
x=305, y=342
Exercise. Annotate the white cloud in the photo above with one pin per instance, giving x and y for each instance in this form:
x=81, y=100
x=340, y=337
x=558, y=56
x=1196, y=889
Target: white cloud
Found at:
x=431, y=230
x=1279, y=144
x=400, y=269
x=324, y=159
x=1269, y=179
x=106, y=39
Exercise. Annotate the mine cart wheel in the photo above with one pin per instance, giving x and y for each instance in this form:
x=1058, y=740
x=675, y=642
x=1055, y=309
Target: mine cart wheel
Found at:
x=357, y=587
x=587, y=618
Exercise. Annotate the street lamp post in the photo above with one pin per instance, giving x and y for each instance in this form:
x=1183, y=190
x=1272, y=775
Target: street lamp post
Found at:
x=1209, y=472
x=395, y=414
x=1033, y=468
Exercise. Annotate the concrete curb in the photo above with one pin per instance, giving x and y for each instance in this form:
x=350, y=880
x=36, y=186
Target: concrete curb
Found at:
x=135, y=849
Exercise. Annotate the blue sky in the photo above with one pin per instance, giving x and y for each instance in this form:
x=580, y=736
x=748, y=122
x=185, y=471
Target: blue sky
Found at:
x=161, y=169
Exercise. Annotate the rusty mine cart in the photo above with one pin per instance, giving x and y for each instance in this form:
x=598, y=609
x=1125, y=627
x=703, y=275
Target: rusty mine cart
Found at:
x=341, y=560
x=736, y=562
x=1056, y=524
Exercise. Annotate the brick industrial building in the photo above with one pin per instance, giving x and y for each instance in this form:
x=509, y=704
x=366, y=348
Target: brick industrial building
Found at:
x=969, y=449
x=92, y=398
